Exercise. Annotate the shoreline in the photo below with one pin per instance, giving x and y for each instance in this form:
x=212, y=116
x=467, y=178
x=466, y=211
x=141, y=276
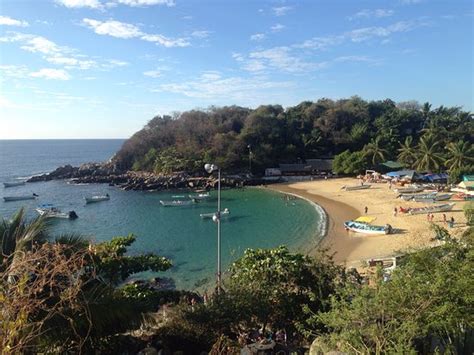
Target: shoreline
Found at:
x=351, y=249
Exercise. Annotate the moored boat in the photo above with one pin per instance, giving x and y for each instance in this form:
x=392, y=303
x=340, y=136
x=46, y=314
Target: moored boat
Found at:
x=409, y=190
x=49, y=211
x=176, y=203
x=356, y=187
x=200, y=196
x=97, y=198
x=431, y=209
x=432, y=198
x=20, y=198
x=224, y=213
x=408, y=197
x=367, y=228
x=13, y=184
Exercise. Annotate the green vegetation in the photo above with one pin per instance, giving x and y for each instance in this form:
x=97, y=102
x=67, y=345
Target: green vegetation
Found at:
x=67, y=296
x=416, y=135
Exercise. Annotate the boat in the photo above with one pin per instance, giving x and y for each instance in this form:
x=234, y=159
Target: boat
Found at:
x=97, y=198
x=408, y=197
x=366, y=228
x=356, y=187
x=431, y=209
x=13, y=184
x=432, y=198
x=177, y=203
x=409, y=189
x=200, y=196
x=20, y=198
x=224, y=213
x=49, y=211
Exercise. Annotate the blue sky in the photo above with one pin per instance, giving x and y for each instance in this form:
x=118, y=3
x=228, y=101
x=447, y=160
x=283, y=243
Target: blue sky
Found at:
x=103, y=68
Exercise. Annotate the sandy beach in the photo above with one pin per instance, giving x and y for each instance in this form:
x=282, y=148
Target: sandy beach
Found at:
x=413, y=231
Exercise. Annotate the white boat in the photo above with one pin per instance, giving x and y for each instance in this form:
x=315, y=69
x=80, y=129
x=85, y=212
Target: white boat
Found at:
x=409, y=189
x=97, y=198
x=200, y=196
x=432, y=198
x=224, y=213
x=431, y=209
x=408, y=197
x=20, y=198
x=356, y=187
x=367, y=228
x=176, y=203
x=13, y=184
x=49, y=211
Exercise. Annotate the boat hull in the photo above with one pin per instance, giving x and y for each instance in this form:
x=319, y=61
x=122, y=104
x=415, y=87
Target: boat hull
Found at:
x=359, y=187
x=18, y=198
x=364, y=228
x=96, y=199
x=176, y=203
x=13, y=184
x=432, y=209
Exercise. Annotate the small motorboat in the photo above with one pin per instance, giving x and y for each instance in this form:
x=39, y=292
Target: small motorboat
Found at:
x=200, y=196
x=13, y=184
x=20, y=198
x=433, y=198
x=224, y=213
x=177, y=203
x=356, y=187
x=366, y=228
x=97, y=198
x=49, y=211
x=409, y=189
x=429, y=209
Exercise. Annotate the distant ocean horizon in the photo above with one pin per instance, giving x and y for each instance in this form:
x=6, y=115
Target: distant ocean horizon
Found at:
x=258, y=219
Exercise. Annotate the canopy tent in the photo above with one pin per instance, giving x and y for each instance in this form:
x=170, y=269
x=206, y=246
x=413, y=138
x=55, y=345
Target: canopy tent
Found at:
x=440, y=178
x=392, y=164
x=410, y=174
x=467, y=185
x=468, y=178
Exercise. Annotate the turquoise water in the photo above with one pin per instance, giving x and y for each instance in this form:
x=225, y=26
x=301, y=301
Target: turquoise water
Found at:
x=259, y=219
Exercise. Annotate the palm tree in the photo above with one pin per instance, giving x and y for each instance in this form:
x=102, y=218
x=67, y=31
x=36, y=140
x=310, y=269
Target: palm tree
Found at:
x=429, y=156
x=375, y=151
x=461, y=154
x=407, y=152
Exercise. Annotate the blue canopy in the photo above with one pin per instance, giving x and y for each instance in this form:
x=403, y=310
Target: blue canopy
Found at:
x=436, y=177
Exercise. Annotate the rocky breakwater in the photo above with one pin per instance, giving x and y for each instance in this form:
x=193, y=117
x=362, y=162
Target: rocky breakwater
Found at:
x=131, y=180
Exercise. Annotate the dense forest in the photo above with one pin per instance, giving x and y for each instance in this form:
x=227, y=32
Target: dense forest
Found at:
x=358, y=133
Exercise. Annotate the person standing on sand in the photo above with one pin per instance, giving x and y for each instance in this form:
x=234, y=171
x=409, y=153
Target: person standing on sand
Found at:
x=428, y=217
x=366, y=209
x=395, y=212
x=451, y=224
x=390, y=184
x=444, y=218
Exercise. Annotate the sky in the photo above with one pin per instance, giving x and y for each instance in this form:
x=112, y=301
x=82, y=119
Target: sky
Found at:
x=103, y=68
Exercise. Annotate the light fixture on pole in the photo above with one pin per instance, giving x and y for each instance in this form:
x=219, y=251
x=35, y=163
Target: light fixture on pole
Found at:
x=210, y=168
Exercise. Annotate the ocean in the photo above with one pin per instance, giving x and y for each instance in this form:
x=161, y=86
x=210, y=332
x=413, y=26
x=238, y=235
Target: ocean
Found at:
x=259, y=218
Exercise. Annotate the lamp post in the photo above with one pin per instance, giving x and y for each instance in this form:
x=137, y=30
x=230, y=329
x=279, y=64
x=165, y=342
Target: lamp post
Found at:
x=210, y=168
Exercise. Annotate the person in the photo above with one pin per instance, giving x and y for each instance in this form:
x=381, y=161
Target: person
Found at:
x=366, y=209
x=432, y=217
x=444, y=218
x=390, y=184
x=395, y=212
x=428, y=217
x=451, y=224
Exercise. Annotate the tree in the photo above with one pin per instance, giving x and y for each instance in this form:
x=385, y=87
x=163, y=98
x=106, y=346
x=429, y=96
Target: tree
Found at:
x=349, y=163
x=460, y=154
x=427, y=301
x=375, y=152
x=407, y=152
x=429, y=156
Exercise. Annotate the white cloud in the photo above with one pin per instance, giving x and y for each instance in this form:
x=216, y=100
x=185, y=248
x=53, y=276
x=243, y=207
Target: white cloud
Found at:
x=14, y=71
x=137, y=3
x=366, y=33
x=8, y=21
x=212, y=86
x=377, y=13
x=165, y=41
x=237, y=56
x=72, y=63
x=152, y=73
x=51, y=74
x=254, y=65
x=75, y=4
x=257, y=37
x=201, y=34
x=42, y=45
x=113, y=28
x=277, y=27
x=125, y=31
x=281, y=11
x=410, y=2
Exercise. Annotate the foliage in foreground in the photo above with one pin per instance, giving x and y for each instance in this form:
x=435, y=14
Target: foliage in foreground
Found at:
x=428, y=304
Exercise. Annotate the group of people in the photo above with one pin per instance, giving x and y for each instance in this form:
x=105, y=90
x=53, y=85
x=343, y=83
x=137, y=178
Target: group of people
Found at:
x=450, y=222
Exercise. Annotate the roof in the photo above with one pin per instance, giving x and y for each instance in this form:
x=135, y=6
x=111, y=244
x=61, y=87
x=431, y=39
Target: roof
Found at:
x=294, y=167
x=466, y=184
x=468, y=178
x=392, y=164
x=436, y=177
x=401, y=173
x=311, y=164
x=320, y=164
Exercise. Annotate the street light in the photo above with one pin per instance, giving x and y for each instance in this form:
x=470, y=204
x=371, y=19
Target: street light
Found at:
x=210, y=168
